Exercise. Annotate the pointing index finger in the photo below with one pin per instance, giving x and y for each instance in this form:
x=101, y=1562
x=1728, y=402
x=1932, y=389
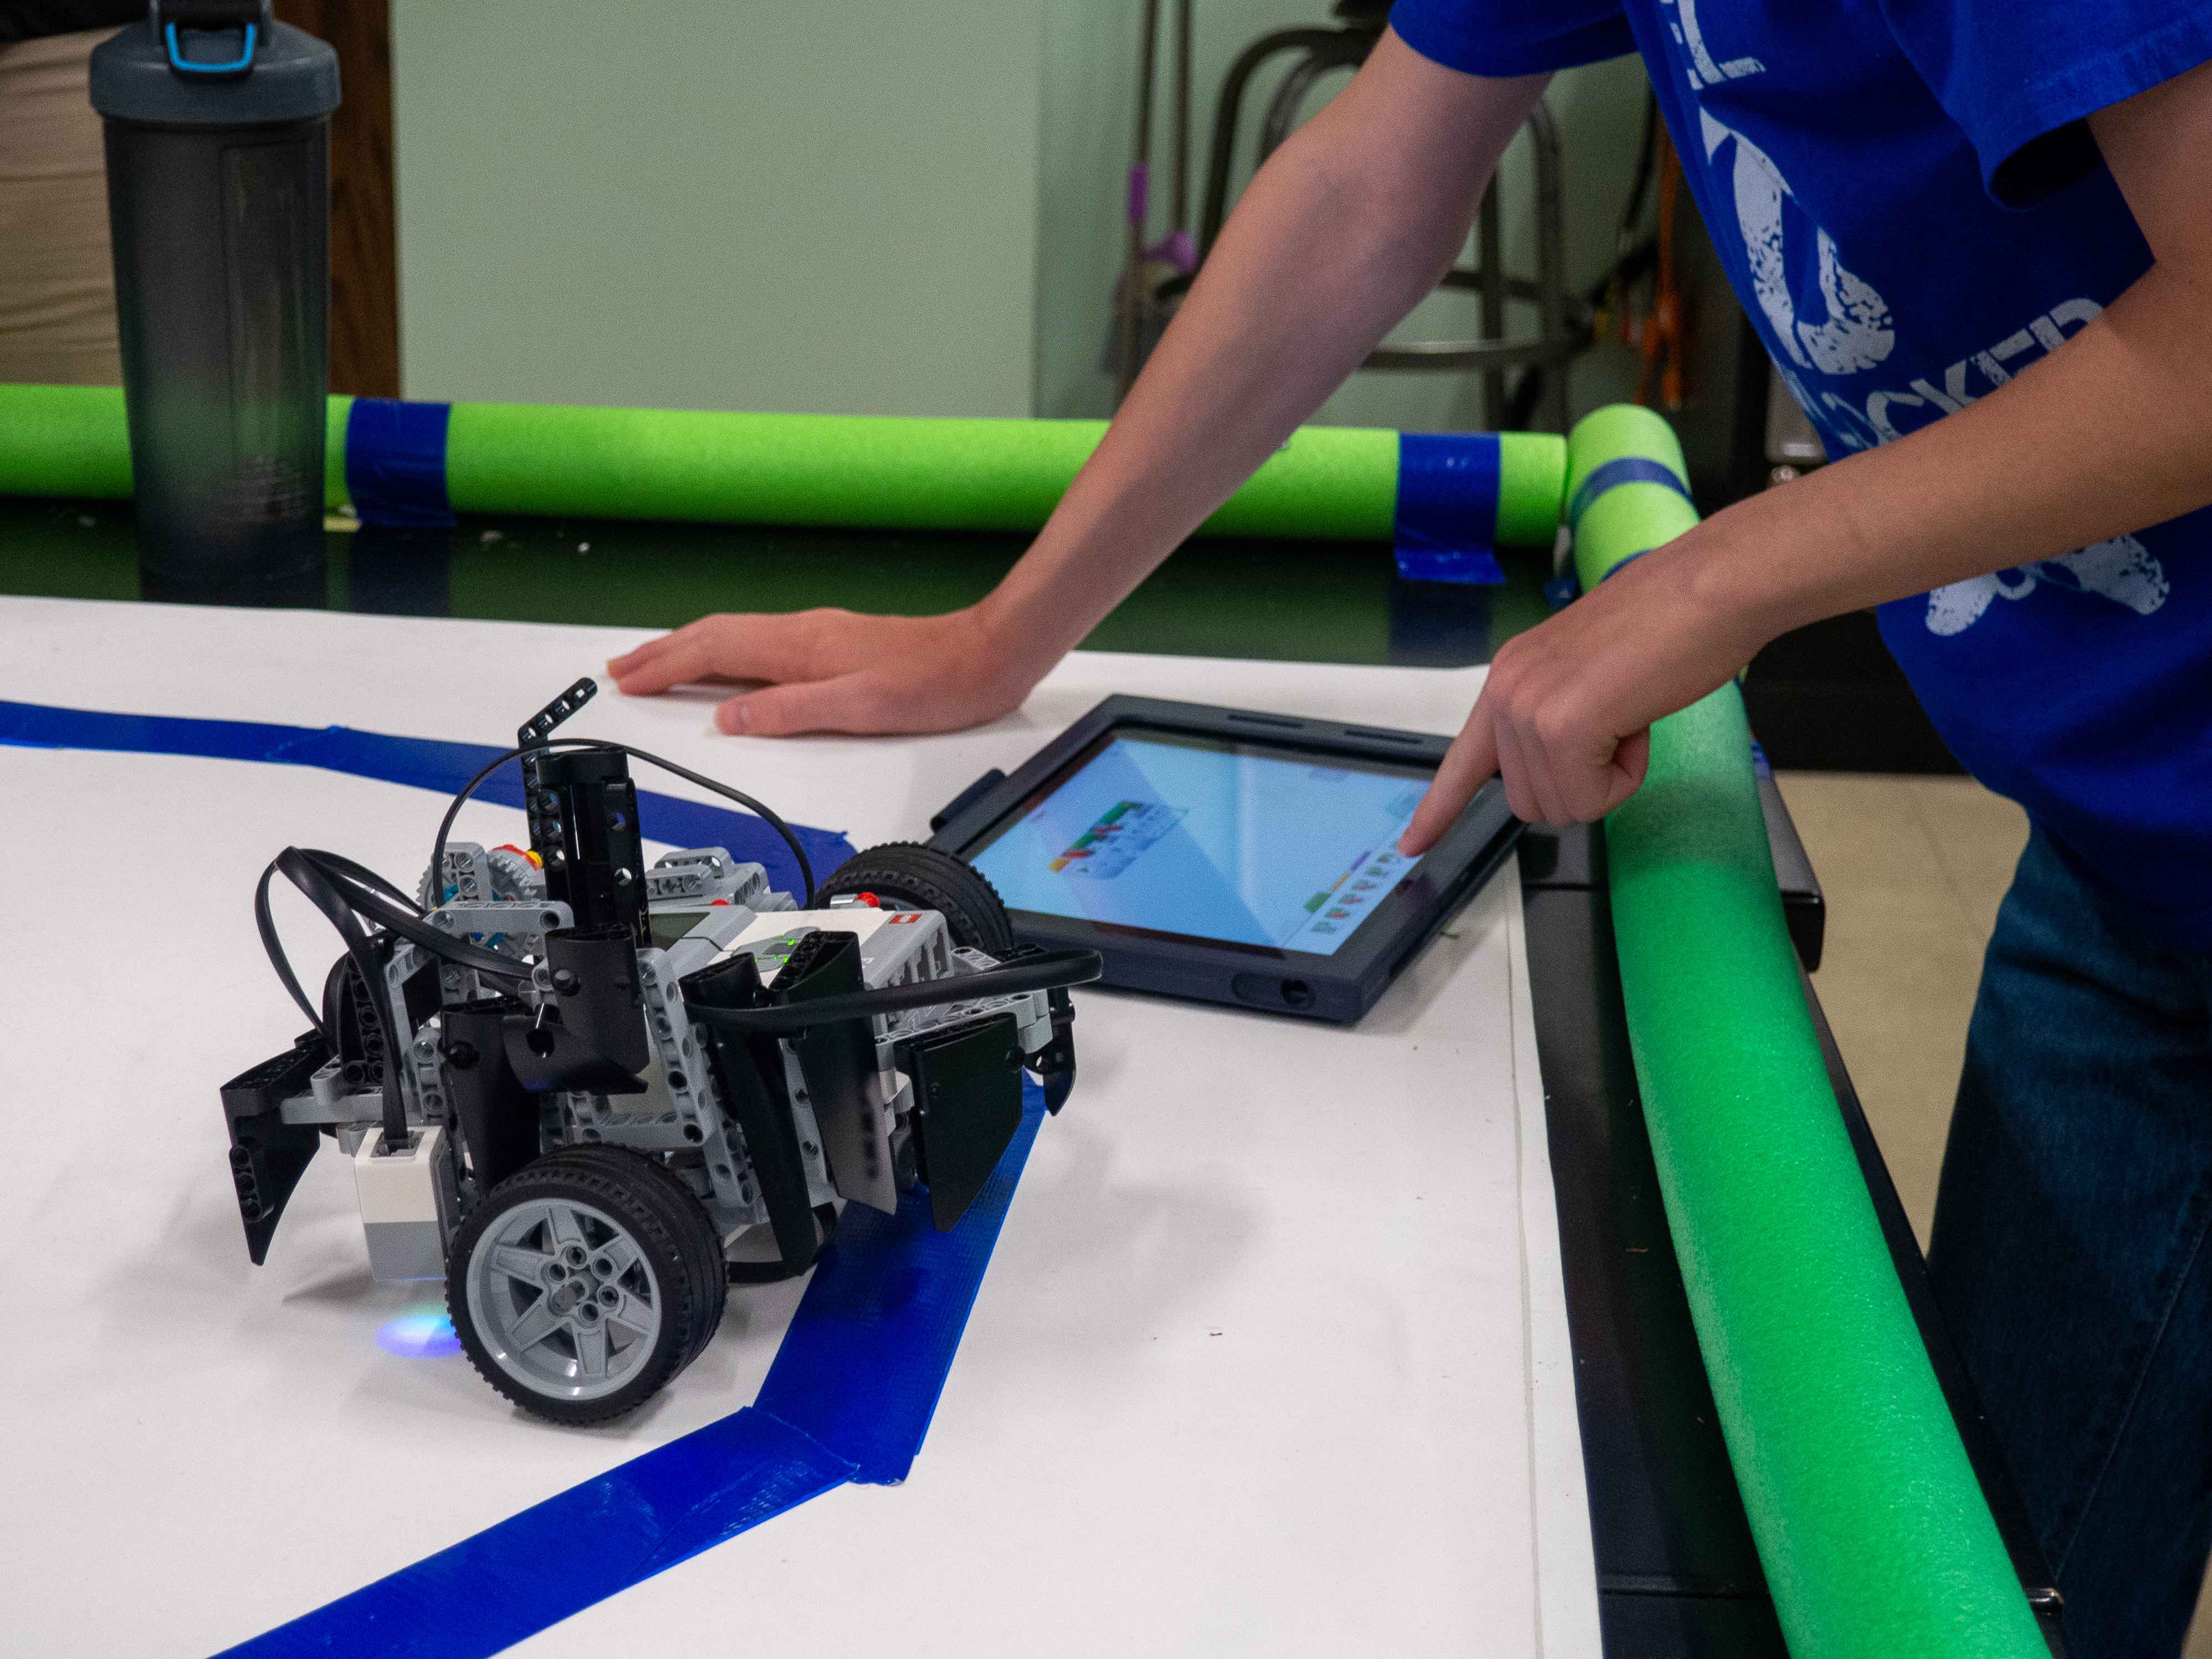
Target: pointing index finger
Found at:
x=1471, y=763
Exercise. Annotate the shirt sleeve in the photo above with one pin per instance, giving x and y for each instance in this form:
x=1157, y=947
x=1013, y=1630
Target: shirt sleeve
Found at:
x=1503, y=38
x=2019, y=77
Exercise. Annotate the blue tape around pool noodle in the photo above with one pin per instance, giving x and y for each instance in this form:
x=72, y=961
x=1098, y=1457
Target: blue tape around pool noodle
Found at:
x=1446, y=516
x=1625, y=469
x=848, y=1399
x=419, y=762
x=395, y=463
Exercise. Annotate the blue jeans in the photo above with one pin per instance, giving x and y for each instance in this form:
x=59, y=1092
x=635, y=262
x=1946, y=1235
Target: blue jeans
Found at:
x=2069, y=1252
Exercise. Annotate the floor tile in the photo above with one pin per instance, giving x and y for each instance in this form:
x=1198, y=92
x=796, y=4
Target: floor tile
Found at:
x=1912, y=868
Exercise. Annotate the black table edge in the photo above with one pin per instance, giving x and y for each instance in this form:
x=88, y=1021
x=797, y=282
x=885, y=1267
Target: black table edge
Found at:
x=1676, y=1570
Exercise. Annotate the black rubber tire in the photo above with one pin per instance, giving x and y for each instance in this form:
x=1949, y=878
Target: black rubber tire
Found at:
x=634, y=1191
x=662, y=1185
x=923, y=878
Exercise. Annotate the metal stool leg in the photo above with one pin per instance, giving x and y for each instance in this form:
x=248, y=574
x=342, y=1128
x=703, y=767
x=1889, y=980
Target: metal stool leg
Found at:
x=1551, y=265
x=1490, y=260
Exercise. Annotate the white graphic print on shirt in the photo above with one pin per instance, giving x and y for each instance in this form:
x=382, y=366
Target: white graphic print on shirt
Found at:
x=1704, y=71
x=2122, y=569
x=1856, y=333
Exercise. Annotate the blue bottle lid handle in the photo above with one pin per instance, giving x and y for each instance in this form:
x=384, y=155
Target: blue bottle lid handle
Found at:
x=242, y=65
x=212, y=63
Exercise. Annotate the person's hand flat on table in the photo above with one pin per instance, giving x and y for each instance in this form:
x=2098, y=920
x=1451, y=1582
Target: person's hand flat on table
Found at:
x=836, y=670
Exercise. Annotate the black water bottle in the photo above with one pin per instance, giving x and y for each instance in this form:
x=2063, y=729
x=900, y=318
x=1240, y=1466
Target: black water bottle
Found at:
x=218, y=196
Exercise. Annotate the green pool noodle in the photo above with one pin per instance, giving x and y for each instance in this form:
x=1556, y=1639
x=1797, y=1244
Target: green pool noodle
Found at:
x=1876, y=1541
x=852, y=471
x=915, y=473
x=334, y=453
x=1532, y=475
x=76, y=441
x=64, y=441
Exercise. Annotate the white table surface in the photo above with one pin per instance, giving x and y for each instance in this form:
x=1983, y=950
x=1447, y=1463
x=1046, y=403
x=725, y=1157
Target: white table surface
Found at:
x=1271, y=1357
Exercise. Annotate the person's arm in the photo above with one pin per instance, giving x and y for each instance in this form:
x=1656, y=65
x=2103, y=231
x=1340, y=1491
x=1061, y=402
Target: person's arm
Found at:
x=1348, y=225
x=2105, y=435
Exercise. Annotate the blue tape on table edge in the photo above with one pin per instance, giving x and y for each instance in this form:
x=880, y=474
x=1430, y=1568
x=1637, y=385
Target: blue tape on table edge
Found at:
x=1625, y=469
x=848, y=1399
x=1445, y=528
x=419, y=762
x=395, y=463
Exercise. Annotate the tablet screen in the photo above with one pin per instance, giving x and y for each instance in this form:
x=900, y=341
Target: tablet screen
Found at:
x=1209, y=838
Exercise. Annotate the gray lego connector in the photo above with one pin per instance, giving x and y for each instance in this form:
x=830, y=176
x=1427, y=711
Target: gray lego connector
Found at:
x=471, y=874
x=705, y=875
x=502, y=920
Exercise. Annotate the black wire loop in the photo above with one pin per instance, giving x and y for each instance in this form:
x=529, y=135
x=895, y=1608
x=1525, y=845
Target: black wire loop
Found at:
x=759, y=811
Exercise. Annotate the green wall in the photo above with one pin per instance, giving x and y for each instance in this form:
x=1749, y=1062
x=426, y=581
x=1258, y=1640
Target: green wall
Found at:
x=718, y=203
x=871, y=207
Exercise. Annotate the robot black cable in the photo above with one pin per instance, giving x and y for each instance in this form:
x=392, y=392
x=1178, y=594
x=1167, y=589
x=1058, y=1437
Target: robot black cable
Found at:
x=761, y=811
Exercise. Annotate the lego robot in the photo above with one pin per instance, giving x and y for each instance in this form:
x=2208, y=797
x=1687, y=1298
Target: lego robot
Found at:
x=569, y=1084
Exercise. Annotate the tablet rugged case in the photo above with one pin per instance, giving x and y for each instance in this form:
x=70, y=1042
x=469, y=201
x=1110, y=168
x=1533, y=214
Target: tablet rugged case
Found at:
x=1340, y=988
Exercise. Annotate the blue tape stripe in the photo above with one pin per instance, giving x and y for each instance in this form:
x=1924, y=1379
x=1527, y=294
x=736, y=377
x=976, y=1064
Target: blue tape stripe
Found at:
x=1446, y=523
x=1627, y=469
x=419, y=762
x=848, y=1399
x=395, y=463
x=890, y=1310
x=559, y=1556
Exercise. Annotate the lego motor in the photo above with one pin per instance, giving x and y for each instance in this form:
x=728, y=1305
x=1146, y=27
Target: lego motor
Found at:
x=569, y=1082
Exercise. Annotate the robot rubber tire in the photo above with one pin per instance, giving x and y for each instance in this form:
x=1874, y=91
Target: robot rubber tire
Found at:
x=657, y=1183
x=922, y=878
x=575, y=1286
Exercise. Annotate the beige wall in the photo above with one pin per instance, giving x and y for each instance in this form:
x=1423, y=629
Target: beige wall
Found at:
x=867, y=207
x=57, y=284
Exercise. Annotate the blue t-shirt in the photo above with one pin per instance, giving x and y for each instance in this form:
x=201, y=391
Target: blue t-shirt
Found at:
x=1912, y=210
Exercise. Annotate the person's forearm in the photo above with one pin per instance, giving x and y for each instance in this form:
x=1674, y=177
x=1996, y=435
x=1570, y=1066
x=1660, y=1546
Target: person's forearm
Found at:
x=2104, y=436
x=1349, y=224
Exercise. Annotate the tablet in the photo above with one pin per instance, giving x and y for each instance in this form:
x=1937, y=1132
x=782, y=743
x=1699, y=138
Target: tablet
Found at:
x=1228, y=855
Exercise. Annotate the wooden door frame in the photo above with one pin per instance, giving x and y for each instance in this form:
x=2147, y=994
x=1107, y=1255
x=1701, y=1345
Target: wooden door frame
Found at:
x=364, y=228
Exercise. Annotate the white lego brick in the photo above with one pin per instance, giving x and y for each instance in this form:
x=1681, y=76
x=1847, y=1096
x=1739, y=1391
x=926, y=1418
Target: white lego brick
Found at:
x=402, y=1212
x=403, y=1187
